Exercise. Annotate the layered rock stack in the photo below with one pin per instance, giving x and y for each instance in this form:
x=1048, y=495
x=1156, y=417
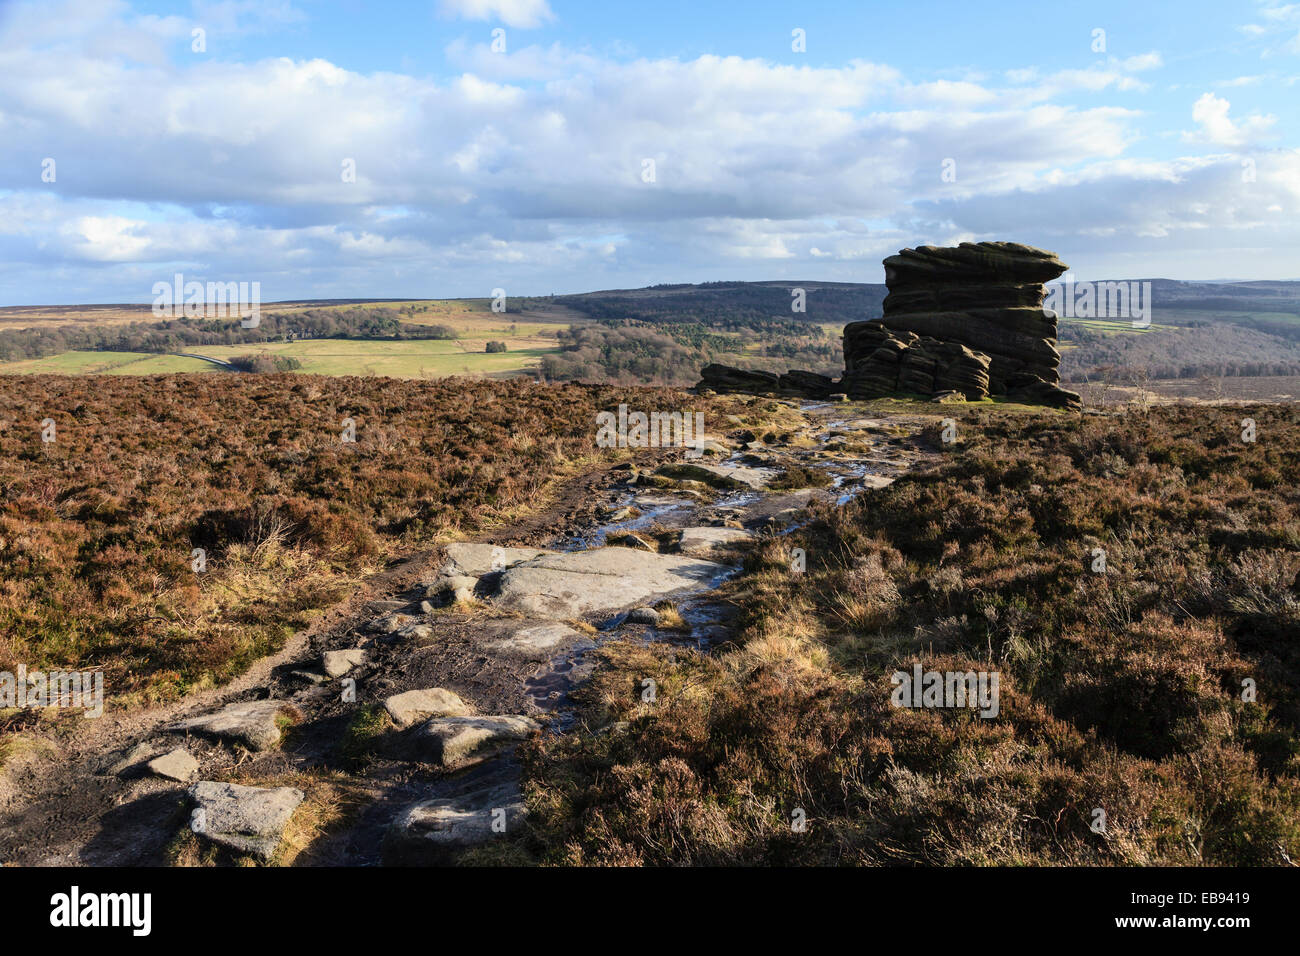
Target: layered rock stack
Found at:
x=967, y=319
x=984, y=295
x=886, y=362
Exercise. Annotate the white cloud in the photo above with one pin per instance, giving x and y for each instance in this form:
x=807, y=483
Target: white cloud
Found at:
x=525, y=14
x=525, y=170
x=1210, y=112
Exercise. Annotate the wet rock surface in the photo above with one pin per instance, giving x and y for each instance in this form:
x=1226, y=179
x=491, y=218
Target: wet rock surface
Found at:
x=438, y=695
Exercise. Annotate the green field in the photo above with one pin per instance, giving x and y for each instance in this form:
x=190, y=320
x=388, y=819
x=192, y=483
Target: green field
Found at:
x=107, y=363
x=528, y=336
x=419, y=358
x=411, y=358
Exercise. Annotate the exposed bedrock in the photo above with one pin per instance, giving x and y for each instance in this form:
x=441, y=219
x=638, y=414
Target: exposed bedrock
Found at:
x=965, y=319
x=985, y=295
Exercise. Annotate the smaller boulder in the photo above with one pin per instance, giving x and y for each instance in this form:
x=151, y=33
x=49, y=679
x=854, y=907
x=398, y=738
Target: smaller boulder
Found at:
x=177, y=765
x=411, y=707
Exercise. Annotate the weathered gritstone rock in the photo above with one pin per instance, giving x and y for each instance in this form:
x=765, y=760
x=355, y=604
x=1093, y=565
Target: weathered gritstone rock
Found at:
x=177, y=765
x=808, y=384
x=538, y=641
x=459, y=587
x=338, y=663
x=455, y=742
x=986, y=295
x=390, y=623
x=967, y=319
x=427, y=830
x=475, y=560
x=413, y=706
x=251, y=723
x=724, y=378
x=561, y=586
x=884, y=362
x=247, y=819
x=133, y=759
x=704, y=542
x=719, y=476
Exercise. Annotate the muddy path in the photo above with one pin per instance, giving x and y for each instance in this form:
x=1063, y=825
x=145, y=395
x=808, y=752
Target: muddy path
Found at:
x=387, y=728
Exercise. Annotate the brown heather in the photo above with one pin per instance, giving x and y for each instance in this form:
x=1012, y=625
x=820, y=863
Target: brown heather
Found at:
x=97, y=528
x=1120, y=691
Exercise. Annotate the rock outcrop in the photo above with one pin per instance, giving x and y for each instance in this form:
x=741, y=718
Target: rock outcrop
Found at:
x=967, y=319
x=883, y=362
x=984, y=295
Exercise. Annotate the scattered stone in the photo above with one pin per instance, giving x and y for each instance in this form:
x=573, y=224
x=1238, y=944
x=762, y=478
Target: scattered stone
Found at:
x=413, y=706
x=643, y=615
x=838, y=397
x=603, y=579
x=425, y=831
x=459, y=588
x=455, y=742
x=251, y=723
x=137, y=755
x=177, y=765
x=246, y=819
x=709, y=446
x=622, y=514
x=704, y=542
x=720, y=476
x=389, y=623
x=411, y=632
x=627, y=539
x=311, y=677
x=338, y=663
x=426, y=607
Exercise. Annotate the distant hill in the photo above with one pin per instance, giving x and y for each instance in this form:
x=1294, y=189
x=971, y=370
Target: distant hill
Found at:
x=743, y=303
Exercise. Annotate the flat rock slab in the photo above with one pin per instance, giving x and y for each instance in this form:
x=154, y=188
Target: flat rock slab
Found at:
x=247, y=819
x=134, y=759
x=413, y=706
x=433, y=827
x=720, y=476
x=454, y=742
x=602, y=579
x=338, y=663
x=177, y=765
x=703, y=542
x=475, y=560
x=876, y=481
x=251, y=723
x=538, y=641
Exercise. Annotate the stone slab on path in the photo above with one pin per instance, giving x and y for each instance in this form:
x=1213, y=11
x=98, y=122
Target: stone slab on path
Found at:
x=338, y=663
x=559, y=586
x=537, y=641
x=246, y=819
x=468, y=559
x=431, y=828
x=250, y=722
x=704, y=542
x=178, y=765
x=409, y=708
x=720, y=476
x=455, y=742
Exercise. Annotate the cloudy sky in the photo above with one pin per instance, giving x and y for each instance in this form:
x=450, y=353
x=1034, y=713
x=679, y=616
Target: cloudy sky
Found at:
x=449, y=147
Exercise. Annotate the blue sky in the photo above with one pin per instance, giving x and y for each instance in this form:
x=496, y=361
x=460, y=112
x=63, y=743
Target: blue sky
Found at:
x=1165, y=147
